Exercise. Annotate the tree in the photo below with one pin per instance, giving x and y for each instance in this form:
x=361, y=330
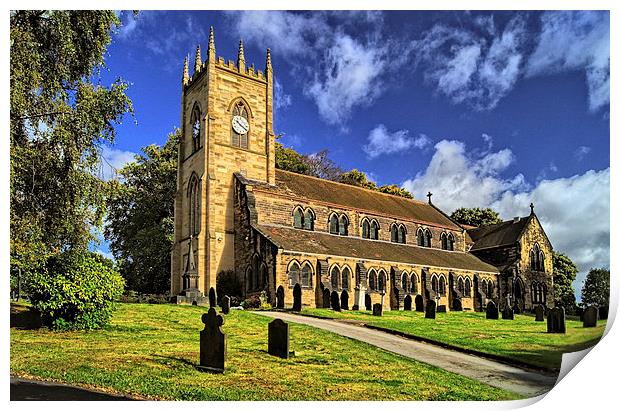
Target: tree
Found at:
x=320, y=165
x=478, y=217
x=59, y=116
x=140, y=220
x=357, y=178
x=290, y=160
x=395, y=190
x=595, y=290
x=564, y=273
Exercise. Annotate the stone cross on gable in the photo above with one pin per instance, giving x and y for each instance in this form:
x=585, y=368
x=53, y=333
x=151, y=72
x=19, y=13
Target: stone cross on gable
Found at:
x=532, y=208
x=429, y=195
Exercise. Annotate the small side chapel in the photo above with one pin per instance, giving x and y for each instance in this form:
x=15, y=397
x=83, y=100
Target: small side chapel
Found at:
x=310, y=242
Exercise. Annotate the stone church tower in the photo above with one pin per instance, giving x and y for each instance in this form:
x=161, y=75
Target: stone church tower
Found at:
x=226, y=126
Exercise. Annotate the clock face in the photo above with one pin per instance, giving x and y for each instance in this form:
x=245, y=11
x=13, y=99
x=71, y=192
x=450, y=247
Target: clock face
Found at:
x=240, y=125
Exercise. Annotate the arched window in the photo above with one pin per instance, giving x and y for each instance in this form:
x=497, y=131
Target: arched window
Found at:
x=194, y=209
x=467, y=287
x=333, y=224
x=335, y=278
x=343, y=225
x=490, y=289
x=255, y=271
x=450, y=242
x=372, y=280
x=346, y=275
x=306, y=275
x=541, y=261
x=461, y=286
x=298, y=218
x=195, y=121
x=434, y=285
x=365, y=229
x=404, y=282
x=293, y=273
x=240, y=125
x=427, y=238
x=248, y=278
x=442, y=285
x=535, y=258
x=420, y=236
x=444, y=241
x=309, y=219
x=394, y=233
x=374, y=230
x=382, y=281
x=402, y=234
x=262, y=276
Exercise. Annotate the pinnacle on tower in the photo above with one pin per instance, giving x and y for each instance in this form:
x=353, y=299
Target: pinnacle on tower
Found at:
x=268, y=64
x=211, y=44
x=241, y=57
x=186, y=70
x=198, y=62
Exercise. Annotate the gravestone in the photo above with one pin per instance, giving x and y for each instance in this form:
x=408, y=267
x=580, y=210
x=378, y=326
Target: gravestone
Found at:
x=377, y=310
x=540, y=313
x=278, y=338
x=516, y=309
x=212, y=298
x=430, y=309
x=212, y=343
x=344, y=300
x=508, y=314
x=407, y=303
x=326, y=298
x=419, y=303
x=556, y=320
x=280, y=298
x=335, y=301
x=441, y=308
x=603, y=312
x=457, y=305
x=590, y=316
x=368, y=302
x=492, y=312
x=297, y=298
x=355, y=307
x=225, y=304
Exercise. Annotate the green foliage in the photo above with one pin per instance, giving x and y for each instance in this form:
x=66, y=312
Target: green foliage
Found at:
x=357, y=178
x=227, y=283
x=140, y=221
x=290, y=160
x=595, y=290
x=395, y=190
x=564, y=273
x=60, y=115
x=76, y=291
x=478, y=217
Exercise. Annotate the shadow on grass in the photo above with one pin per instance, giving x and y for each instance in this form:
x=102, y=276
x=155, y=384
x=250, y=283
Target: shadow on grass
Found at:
x=24, y=318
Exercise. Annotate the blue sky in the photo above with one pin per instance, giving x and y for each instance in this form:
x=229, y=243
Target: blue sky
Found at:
x=488, y=109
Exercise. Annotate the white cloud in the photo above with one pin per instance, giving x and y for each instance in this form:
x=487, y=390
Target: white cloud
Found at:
x=129, y=22
x=113, y=160
x=581, y=152
x=575, y=40
x=574, y=211
x=381, y=141
x=280, y=98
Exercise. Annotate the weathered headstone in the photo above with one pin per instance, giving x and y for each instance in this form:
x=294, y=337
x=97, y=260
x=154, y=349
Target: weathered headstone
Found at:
x=457, y=305
x=344, y=300
x=556, y=320
x=335, y=301
x=225, y=304
x=516, y=309
x=441, y=308
x=368, y=302
x=212, y=343
x=278, y=338
x=603, y=312
x=407, y=303
x=590, y=316
x=430, y=309
x=377, y=310
x=508, y=314
x=280, y=297
x=540, y=313
x=355, y=307
x=419, y=303
x=297, y=298
x=212, y=299
x=492, y=311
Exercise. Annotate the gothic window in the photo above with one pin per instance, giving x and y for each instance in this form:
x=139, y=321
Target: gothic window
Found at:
x=346, y=275
x=442, y=285
x=382, y=281
x=255, y=272
x=343, y=225
x=414, y=283
x=298, y=218
x=306, y=275
x=420, y=235
x=490, y=289
x=374, y=230
x=394, y=233
x=365, y=229
x=293, y=273
x=240, y=125
x=335, y=278
x=450, y=242
x=541, y=261
x=444, y=241
x=402, y=234
x=461, y=286
x=372, y=280
x=333, y=224
x=262, y=276
x=404, y=282
x=195, y=121
x=309, y=220
x=427, y=238
x=434, y=285
x=249, y=277
x=535, y=258
x=194, y=206
x=467, y=287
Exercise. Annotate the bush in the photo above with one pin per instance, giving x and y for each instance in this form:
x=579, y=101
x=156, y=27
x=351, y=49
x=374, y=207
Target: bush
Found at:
x=227, y=283
x=76, y=290
x=134, y=297
x=252, y=302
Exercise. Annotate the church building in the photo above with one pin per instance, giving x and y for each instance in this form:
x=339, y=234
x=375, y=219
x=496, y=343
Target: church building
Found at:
x=309, y=242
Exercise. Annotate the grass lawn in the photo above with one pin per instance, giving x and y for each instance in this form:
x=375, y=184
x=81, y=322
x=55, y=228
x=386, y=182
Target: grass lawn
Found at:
x=150, y=351
x=522, y=339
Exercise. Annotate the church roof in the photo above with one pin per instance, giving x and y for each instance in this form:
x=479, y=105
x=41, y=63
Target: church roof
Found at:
x=305, y=241
x=498, y=235
x=348, y=196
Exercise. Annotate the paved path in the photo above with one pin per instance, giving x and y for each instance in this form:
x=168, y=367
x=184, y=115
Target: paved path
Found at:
x=518, y=380
x=31, y=390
